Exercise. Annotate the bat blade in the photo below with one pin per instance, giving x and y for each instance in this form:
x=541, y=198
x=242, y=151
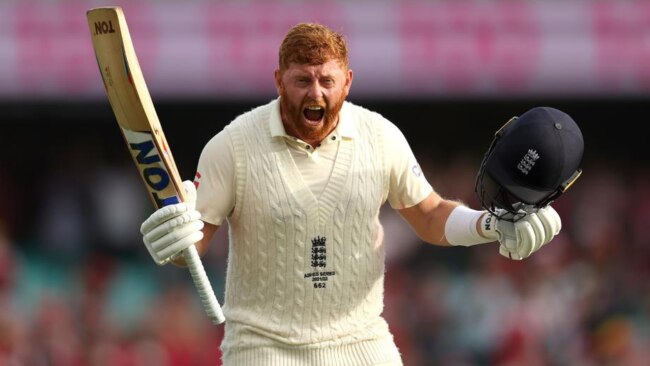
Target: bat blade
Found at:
x=135, y=113
x=132, y=105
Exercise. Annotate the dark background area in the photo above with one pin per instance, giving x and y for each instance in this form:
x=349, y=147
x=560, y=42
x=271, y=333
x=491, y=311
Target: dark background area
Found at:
x=40, y=138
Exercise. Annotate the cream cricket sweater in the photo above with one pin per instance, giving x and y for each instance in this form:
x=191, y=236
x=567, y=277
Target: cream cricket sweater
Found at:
x=305, y=274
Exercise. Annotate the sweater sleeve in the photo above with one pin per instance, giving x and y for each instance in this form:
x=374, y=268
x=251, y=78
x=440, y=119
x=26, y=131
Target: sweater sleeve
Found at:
x=215, y=179
x=407, y=184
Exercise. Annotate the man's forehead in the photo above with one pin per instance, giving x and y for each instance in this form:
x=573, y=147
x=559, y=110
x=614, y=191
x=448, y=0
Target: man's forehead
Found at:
x=328, y=67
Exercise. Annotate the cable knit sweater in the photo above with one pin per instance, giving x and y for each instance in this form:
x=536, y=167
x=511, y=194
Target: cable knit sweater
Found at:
x=305, y=274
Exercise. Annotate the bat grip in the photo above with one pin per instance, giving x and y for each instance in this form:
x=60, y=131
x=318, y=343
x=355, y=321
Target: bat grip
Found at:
x=202, y=283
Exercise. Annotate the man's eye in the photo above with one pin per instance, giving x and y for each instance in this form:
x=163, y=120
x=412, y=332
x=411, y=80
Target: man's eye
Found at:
x=327, y=82
x=303, y=81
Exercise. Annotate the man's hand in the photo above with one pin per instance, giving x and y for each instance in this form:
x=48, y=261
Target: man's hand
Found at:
x=171, y=229
x=522, y=238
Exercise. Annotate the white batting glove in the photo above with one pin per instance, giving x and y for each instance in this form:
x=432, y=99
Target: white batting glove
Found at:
x=522, y=238
x=171, y=229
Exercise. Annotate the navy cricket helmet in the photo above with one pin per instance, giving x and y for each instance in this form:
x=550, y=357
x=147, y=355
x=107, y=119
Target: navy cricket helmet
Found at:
x=533, y=159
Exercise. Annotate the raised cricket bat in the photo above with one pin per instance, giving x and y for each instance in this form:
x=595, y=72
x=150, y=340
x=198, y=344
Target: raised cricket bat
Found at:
x=135, y=113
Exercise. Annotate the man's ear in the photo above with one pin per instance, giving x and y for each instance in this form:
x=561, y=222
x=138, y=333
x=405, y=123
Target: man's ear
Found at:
x=348, y=81
x=277, y=75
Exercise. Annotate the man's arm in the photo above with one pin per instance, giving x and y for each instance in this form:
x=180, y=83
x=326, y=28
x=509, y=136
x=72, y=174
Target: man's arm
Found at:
x=448, y=223
x=429, y=217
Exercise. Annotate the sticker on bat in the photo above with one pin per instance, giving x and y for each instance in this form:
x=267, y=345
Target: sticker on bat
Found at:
x=152, y=168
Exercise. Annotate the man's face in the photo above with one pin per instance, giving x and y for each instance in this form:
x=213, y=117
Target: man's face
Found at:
x=311, y=97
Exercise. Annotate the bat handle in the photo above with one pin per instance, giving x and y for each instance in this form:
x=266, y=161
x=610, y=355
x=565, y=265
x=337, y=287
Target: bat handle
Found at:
x=202, y=283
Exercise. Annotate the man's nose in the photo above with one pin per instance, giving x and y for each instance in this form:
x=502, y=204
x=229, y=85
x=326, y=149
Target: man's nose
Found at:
x=315, y=91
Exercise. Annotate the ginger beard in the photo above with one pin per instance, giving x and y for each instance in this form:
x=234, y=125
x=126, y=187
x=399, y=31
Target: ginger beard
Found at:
x=306, y=123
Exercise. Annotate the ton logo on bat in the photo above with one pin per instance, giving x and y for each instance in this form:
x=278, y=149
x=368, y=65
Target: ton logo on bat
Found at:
x=155, y=176
x=104, y=27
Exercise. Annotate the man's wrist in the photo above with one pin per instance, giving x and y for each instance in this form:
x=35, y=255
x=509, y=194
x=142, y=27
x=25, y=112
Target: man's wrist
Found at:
x=462, y=227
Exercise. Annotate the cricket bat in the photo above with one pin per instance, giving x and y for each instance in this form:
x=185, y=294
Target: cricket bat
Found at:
x=134, y=110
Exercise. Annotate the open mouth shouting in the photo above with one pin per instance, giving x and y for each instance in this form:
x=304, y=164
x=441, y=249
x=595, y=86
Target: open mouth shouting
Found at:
x=313, y=114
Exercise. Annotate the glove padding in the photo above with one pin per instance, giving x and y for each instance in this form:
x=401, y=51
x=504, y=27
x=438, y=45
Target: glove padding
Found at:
x=522, y=238
x=171, y=229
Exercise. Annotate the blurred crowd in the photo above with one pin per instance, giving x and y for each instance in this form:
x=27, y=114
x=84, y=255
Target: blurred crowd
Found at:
x=82, y=289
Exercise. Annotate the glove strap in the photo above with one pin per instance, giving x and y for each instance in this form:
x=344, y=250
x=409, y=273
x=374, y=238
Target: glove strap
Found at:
x=488, y=225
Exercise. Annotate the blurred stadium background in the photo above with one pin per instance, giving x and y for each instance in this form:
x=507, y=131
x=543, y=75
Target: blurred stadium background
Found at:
x=77, y=286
